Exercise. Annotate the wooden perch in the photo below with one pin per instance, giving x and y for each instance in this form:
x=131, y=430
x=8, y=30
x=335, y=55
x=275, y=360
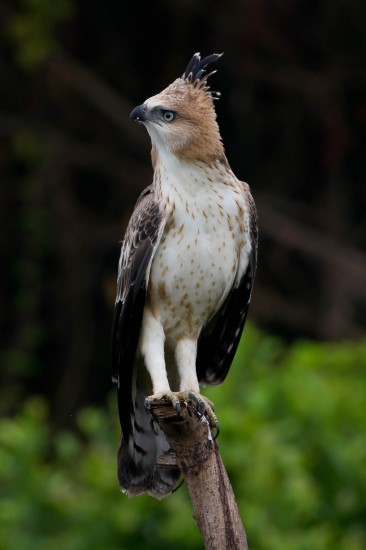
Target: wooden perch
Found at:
x=198, y=457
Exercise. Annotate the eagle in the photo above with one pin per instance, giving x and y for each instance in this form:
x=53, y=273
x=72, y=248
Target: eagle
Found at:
x=185, y=275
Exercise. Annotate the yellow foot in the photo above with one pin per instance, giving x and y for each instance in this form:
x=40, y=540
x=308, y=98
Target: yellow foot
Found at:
x=197, y=403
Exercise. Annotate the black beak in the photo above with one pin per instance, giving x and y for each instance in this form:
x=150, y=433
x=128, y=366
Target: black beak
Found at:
x=138, y=114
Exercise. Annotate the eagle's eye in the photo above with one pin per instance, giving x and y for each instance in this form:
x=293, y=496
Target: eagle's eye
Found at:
x=168, y=116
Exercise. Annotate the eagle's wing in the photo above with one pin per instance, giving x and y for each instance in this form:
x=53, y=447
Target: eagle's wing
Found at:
x=141, y=444
x=219, y=340
x=142, y=237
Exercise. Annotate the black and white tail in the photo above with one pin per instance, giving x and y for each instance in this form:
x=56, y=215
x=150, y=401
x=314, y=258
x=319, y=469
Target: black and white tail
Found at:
x=140, y=449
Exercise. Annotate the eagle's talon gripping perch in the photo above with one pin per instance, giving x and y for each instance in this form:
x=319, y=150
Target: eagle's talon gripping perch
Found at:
x=217, y=428
x=174, y=398
x=204, y=407
x=200, y=404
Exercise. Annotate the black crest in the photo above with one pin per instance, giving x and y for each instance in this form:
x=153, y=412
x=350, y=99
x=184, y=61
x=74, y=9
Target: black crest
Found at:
x=196, y=70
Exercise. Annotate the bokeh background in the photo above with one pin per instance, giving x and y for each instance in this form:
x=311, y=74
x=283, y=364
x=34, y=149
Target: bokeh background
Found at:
x=292, y=116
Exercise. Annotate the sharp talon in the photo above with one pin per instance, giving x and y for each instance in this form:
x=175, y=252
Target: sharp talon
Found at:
x=178, y=408
x=147, y=405
x=193, y=398
x=217, y=427
x=200, y=406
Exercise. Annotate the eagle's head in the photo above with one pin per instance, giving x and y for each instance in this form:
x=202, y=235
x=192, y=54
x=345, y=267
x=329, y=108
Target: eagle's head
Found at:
x=181, y=120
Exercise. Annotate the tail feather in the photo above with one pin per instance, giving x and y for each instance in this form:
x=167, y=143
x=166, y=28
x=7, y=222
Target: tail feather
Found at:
x=139, y=451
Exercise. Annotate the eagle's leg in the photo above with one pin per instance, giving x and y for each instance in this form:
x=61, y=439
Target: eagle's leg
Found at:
x=185, y=356
x=189, y=394
x=152, y=348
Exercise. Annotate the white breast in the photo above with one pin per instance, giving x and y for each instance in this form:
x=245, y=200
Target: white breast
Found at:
x=200, y=254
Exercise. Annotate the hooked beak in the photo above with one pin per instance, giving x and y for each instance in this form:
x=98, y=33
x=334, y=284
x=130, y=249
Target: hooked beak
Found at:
x=138, y=113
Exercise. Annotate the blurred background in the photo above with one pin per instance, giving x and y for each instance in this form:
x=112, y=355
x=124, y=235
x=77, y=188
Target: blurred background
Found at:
x=292, y=117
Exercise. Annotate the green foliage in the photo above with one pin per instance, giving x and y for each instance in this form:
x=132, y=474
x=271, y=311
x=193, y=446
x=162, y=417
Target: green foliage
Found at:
x=293, y=442
x=292, y=439
x=32, y=29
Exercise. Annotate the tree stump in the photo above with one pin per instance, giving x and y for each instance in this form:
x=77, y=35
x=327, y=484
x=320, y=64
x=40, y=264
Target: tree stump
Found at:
x=197, y=455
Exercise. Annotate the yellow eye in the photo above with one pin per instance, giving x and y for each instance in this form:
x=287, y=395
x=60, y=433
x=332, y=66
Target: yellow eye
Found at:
x=168, y=116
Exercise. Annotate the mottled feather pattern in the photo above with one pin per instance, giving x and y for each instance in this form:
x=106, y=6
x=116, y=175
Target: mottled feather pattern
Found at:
x=139, y=241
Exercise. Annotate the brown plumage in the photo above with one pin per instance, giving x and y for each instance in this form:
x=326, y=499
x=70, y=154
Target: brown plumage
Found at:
x=185, y=275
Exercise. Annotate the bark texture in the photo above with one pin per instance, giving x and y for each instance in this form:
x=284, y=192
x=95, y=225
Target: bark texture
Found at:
x=197, y=455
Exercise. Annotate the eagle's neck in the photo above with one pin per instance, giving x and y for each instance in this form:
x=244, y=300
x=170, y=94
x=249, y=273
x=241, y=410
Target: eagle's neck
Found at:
x=189, y=177
x=193, y=188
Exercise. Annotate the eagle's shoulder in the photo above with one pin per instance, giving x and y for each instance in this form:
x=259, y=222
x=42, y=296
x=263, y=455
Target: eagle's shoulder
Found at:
x=139, y=241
